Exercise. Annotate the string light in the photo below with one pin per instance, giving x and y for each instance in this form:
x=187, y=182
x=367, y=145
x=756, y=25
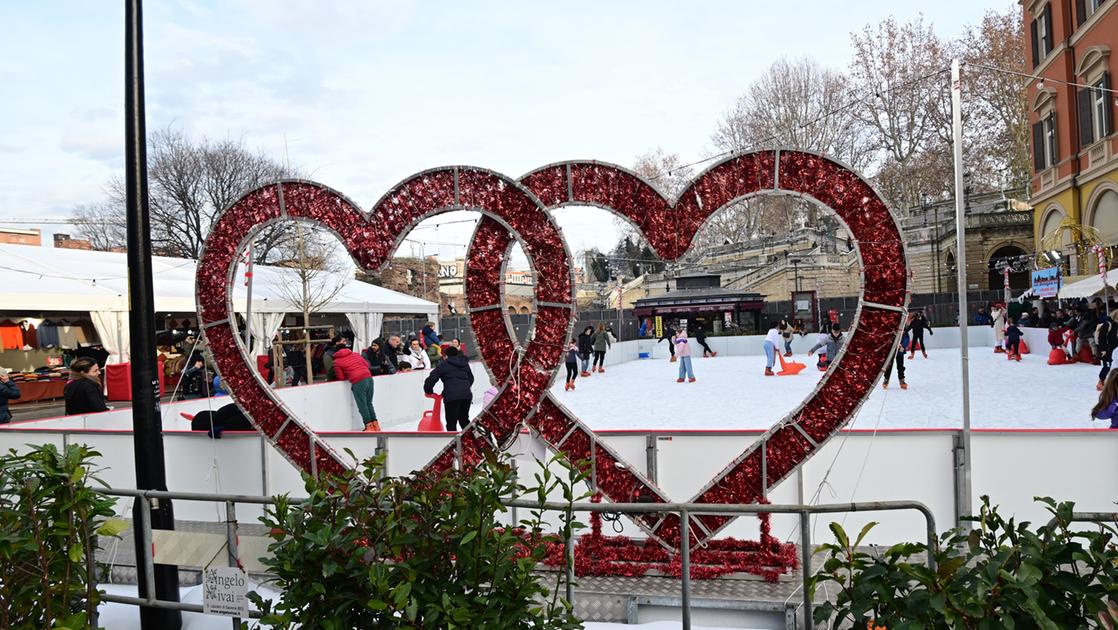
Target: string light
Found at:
x=1041, y=80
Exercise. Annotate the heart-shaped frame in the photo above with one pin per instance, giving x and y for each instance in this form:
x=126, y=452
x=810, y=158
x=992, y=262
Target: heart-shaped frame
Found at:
x=516, y=211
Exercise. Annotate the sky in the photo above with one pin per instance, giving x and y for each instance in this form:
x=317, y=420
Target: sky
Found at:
x=361, y=95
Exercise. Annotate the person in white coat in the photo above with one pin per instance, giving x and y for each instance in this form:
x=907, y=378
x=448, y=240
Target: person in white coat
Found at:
x=998, y=318
x=416, y=356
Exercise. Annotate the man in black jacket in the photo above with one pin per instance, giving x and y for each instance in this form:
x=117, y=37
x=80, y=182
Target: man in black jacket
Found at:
x=457, y=377
x=391, y=352
x=8, y=391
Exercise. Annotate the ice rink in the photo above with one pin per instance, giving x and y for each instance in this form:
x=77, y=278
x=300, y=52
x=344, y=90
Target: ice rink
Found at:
x=733, y=393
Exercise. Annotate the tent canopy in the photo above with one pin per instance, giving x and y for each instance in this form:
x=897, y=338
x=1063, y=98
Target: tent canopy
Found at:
x=55, y=279
x=1089, y=287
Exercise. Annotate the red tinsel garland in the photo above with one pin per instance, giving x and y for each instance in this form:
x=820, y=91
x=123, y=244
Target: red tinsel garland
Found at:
x=525, y=375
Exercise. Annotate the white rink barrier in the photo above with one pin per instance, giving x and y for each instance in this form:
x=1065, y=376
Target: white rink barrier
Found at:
x=1011, y=466
x=397, y=398
x=894, y=464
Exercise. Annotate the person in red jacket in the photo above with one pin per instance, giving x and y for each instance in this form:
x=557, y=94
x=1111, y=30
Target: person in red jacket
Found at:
x=352, y=367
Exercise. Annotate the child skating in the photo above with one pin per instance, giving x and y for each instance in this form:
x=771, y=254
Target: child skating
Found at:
x=1013, y=336
x=898, y=358
x=683, y=351
x=571, y=364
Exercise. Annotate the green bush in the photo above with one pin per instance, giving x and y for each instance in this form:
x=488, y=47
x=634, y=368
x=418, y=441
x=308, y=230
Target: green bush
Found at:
x=48, y=513
x=420, y=552
x=998, y=574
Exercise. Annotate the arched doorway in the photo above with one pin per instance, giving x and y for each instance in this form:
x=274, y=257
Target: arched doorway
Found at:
x=1018, y=280
x=524, y=310
x=950, y=281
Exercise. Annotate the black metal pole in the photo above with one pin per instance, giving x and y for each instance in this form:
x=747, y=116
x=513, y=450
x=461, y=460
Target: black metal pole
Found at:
x=147, y=427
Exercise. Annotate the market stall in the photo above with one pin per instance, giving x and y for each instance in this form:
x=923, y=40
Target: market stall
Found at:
x=58, y=303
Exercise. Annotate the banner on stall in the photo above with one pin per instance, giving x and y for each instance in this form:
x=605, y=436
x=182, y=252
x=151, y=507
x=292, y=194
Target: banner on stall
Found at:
x=1046, y=282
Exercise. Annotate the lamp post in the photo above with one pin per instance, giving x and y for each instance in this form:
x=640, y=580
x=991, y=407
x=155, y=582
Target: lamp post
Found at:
x=147, y=429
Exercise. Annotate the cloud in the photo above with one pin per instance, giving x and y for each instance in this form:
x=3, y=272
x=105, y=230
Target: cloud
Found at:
x=97, y=143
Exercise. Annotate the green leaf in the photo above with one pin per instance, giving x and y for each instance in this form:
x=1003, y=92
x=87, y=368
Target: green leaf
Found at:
x=840, y=534
x=112, y=527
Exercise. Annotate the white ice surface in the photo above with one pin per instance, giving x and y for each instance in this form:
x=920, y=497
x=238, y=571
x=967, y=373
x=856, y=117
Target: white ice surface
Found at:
x=733, y=393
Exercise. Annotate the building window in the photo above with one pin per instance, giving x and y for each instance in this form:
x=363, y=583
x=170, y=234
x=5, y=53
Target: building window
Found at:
x=1095, y=122
x=1045, y=152
x=1040, y=32
x=1104, y=125
x=1085, y=9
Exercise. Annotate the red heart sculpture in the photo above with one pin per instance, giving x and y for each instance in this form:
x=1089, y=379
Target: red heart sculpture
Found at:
x=525, y=374
x=670, y=228
x=419, y=197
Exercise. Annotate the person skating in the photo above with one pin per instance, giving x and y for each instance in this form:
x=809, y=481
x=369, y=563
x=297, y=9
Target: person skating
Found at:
x=1107, y=406
x=571, y=364
x=457, y=378
x=898, y=358
x=1013, y=336
x=998, y=321
x=832, y=344
x=786, y=330
x=917, y=324
x=1106, y=337
x=771, y=346
x=352, y=367
x=668, y=334
x=701, y=337
x=586, y=348
x=683, y=351
x=601, y=344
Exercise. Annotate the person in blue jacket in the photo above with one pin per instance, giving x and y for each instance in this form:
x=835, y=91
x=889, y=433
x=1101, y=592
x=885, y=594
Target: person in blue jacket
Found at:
x=1107, y=406
x=428, y=335
x=8, y=391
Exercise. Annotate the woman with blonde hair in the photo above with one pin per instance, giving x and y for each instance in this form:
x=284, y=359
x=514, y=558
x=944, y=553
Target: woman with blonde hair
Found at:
x=84, y=392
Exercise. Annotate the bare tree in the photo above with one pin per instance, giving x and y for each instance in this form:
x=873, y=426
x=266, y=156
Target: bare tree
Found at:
x=189, y=183
x=314, y=257
x=101, y=223
x=797, y=104
x=899, y=71
x=998, y=131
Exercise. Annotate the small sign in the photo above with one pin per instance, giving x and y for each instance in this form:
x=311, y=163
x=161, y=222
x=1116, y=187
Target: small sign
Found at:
x=54, y=361
x=1046, y=282
x=659, y=327
x=224, y=592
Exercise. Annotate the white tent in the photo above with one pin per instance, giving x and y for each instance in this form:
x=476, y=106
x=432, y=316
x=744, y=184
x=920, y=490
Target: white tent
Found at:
x=43, y=279
x=1090, y=287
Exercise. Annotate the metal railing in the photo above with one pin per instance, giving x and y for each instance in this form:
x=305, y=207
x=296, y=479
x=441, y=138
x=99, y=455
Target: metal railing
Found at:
x=685, y=511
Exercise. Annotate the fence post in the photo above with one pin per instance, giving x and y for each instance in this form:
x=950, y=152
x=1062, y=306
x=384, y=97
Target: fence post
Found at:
x=231, y=543
x=685, y=566
x=805, y=563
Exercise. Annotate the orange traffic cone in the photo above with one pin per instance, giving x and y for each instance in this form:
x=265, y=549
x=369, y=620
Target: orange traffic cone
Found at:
x=432, y=420
x=789, y=368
